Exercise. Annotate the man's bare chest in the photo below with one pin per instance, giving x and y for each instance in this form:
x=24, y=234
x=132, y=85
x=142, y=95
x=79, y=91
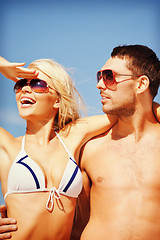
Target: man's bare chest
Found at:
x=124, y=165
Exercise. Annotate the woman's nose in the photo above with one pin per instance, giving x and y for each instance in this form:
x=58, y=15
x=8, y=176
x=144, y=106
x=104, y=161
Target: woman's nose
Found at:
x=26, y=88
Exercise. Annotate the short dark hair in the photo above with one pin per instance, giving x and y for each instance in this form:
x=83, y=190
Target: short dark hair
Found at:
x=141, y=61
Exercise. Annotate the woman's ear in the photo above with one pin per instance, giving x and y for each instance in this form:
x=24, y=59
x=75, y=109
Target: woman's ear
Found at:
x=57, y=103
x=142, y=84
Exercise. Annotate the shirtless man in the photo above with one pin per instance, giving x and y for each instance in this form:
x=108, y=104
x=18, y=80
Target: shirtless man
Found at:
x=122, y=166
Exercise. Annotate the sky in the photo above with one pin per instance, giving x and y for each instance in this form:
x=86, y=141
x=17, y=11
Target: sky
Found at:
x=80, y=35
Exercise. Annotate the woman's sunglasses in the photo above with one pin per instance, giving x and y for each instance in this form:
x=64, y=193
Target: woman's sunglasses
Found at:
x=108, y=76
x=37, y=85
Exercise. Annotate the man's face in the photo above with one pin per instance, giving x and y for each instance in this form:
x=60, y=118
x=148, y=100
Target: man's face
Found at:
x=118, y=98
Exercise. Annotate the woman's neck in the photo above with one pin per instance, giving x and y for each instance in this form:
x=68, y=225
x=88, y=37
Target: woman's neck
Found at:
x=41, y=131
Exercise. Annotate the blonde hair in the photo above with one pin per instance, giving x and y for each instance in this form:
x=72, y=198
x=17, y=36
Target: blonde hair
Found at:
x=70, y=99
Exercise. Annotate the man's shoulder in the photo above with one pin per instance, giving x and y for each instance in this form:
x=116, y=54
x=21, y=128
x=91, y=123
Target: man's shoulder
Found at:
x=95, y=143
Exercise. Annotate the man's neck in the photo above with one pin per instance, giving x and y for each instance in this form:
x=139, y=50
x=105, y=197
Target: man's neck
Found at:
x=138, y=124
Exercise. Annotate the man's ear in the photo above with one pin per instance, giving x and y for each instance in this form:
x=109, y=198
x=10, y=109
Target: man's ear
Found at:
x=142, y=84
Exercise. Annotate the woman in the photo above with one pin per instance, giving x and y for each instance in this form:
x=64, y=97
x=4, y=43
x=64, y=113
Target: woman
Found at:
x=39, y=174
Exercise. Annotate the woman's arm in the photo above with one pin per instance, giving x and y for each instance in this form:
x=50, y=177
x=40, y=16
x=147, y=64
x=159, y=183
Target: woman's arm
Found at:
x=14, y=71
x=156, y=110
x=88, y=127
x=6, y=138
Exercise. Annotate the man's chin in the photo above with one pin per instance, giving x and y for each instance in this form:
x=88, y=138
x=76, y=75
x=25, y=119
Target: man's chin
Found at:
x=119, y=111
x=106, y=110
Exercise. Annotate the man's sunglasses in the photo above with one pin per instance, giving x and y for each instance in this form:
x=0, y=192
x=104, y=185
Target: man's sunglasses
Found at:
x=108, y=76
x=37, y=85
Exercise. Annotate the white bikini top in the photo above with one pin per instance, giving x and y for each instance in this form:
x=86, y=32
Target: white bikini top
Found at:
x=25, y=176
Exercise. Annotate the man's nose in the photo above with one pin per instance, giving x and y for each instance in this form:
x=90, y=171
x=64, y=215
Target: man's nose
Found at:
x=101, y=84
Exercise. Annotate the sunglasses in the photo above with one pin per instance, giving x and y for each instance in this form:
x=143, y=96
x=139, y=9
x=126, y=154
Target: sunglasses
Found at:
x=108, y=76
x=37, y=85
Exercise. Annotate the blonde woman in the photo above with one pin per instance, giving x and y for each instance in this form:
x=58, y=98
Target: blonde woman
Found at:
x=39, y=172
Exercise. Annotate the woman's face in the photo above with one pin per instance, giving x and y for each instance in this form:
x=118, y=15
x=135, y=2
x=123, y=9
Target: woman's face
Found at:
x=38, y=106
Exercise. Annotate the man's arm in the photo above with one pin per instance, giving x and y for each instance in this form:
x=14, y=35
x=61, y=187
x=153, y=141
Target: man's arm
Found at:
x=7, y=225
x=82, y=212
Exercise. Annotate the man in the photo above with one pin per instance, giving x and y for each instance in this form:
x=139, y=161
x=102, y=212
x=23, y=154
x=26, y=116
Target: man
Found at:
x=121, y=167
x=7, y=225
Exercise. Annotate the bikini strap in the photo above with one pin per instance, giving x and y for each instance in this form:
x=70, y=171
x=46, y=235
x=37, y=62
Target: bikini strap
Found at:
x=69, y=153
x=23, y=143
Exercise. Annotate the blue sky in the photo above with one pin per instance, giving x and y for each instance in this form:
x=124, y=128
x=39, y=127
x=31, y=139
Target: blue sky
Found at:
x=78, y=34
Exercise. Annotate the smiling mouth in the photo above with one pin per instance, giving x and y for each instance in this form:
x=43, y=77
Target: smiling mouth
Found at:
x=27, y=101
x=105, y=97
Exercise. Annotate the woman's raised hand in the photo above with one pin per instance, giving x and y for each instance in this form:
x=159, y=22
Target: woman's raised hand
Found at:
x=14, y=71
